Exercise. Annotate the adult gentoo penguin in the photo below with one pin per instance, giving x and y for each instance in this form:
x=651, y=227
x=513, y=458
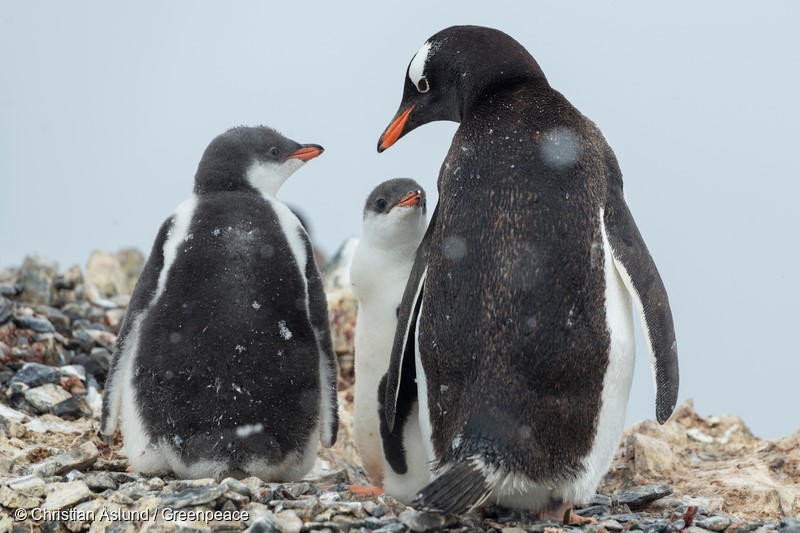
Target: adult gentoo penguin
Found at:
x=516, y=321
x=393, y=226
x=224, y=363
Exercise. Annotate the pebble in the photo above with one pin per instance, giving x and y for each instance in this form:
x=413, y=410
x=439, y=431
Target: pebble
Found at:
x=72, y=408
x=31, y=485
x=35, y=374
x=677, y=525
x=714, y=523
x=99, y=481
x=11, y=429
x=12, y=499
x=36, y=277
x=611, y=525
x=45, y=397
x=744, y=526
x=79, y=458
x=61, y=495
x=5, y=310
x=37, y=324
x=641, y=496
x=421, y=521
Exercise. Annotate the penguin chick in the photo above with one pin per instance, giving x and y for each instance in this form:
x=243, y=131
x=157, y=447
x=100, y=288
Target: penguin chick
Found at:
x=224, y=363
x=393, y=226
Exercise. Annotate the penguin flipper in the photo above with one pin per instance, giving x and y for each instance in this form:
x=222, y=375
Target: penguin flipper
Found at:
x=640, y=276
x=461, y=488
x=403, y=349
x=141, y=299
x=328, y=366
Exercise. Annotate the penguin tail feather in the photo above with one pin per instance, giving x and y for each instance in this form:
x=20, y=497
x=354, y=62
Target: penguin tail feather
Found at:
x=460, y=489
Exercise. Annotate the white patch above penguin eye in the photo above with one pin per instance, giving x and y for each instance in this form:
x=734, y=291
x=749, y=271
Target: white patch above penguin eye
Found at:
x=416, y=70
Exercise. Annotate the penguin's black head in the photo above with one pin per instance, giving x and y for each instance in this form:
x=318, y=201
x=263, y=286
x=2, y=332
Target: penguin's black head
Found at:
x=245, y=158
x=394, y=214
x=453, y=71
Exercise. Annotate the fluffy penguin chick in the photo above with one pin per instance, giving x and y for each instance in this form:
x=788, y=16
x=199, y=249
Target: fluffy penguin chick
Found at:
x=515, y=333
x=224, y=363
x=394, y=223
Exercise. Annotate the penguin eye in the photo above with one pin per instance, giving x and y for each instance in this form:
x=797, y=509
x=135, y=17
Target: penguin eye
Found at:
x=380, y=203
x=422, y=85
x=274, y=151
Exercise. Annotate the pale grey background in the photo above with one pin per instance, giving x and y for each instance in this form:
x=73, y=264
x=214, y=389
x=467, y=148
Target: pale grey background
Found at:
x=105, y=110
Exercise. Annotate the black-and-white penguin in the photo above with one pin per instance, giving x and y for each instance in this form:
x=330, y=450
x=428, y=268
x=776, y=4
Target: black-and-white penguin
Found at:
x=516, y=322
x=393, y=226
x=224, y=363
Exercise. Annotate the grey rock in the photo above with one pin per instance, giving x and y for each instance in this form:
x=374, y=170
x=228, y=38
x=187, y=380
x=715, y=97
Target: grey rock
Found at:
x=5, y=310
x=35, y=374
x=73, y=408
x=744, y=526
x=36, y=276
x=57, y=318
x=99, y=481
x=74, y=475
x=656, y=526
x=9, y=289
x=92, y=365
x=392, y=527
x=611, y=525
x=288, y=522
x=79, y=458
x=421, y=521
x=600, y=499
x=192, y=497
x=714, y=523
x=135, y=490
x=11, y=414
x=695, y=529
x=61, y=495
x=373, y=509
x=45, y=397
x=233, y=484
x=790, y=525
x=12, y=499
x=594, y=510
x=80, y=519
x=11, y=429
x=627, y=517
x=677, y=525
x=641, y=496
x=121, y=478
x=31, y=485
x=155, y=483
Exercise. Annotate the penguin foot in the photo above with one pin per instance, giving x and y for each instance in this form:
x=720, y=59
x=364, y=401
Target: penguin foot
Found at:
x=559, y=511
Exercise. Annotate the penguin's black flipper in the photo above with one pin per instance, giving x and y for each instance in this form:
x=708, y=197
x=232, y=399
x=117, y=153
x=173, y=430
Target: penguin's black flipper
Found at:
x=640, y=275
x=141, y=299
x=403, y=350
x=329, y=368
x=457, y=491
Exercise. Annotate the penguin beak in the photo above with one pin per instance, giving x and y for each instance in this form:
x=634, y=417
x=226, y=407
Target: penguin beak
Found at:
x=306, y=152
x=411, y=199
x=394, y=131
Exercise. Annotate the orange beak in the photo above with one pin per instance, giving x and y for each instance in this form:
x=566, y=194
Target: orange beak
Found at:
x=410, y=199
x=394, y=130
x=306, y=152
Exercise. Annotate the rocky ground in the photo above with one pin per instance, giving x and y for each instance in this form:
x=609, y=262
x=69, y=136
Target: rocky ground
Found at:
x=57, y=331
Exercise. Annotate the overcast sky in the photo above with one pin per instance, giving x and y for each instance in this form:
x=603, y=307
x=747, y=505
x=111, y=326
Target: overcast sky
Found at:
x=105, y=109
